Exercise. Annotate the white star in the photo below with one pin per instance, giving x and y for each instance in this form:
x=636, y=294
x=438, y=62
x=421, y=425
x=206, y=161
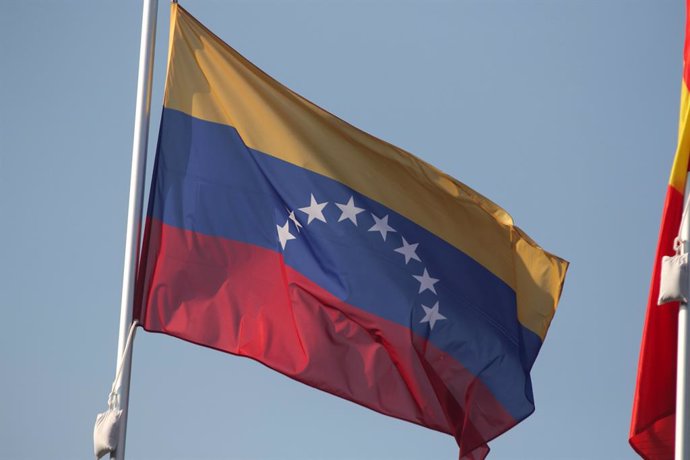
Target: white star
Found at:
x=349, y=211
x=381, y=226
x=426, y=282
x=314, y=210
x=431, y=315
x=294, y=220
x=408, y=250
x=284, y=234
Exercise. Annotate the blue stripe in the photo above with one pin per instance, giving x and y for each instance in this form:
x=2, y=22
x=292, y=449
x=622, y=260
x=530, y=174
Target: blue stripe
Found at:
x=208, y=181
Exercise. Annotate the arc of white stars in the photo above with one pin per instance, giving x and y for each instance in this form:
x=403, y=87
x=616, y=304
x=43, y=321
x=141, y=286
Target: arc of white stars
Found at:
x=426, y=282
x=408, y=250
x=314, y=210
x=381, y=226
x=431, y=315
x=294, y=220
x=284, y=234
x=349, y=211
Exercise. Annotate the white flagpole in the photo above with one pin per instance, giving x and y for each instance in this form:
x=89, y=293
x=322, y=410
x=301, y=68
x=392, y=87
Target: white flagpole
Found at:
x=134, y=212
x=682, y=434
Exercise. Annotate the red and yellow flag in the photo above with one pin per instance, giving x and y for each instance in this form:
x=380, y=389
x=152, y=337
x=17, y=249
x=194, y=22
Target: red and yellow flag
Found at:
x=653, y=418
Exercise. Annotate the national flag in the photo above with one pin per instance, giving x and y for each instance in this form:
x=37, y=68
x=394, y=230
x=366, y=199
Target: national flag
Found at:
x=279, y=232
x=654, y=405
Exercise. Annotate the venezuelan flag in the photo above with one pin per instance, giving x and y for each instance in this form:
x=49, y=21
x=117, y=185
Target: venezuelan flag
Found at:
x=654, y=405
x=279, y=232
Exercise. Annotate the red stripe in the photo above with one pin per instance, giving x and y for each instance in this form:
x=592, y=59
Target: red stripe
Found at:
x=653, y=420
x=242, y=299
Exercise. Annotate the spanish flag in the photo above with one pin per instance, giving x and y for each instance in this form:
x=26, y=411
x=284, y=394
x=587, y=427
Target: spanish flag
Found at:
x=279, y=232
x=654, y=405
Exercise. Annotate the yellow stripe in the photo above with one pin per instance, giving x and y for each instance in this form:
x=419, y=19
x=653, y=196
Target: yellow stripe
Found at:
x=209, y=80
x=679, y=171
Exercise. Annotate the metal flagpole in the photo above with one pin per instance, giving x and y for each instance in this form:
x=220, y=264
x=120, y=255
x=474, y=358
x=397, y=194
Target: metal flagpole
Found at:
x=136, y=198
x=682, y=434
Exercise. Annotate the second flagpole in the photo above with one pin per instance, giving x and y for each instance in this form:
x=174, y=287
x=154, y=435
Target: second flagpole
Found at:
x=682, y=431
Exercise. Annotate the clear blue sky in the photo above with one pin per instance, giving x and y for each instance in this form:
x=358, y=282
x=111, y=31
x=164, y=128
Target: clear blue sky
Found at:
x=562, y=111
